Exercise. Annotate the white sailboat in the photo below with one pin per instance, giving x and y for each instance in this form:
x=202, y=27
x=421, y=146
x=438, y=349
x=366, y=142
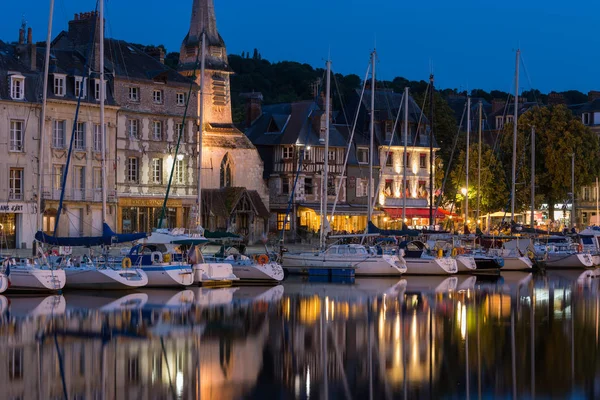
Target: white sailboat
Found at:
x=561, y=255
x=343, y=257
x=37, y=276
x=3, y=282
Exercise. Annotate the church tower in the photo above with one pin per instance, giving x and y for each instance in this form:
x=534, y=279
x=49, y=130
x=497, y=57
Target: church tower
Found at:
x=217, y=96
x=232, y=169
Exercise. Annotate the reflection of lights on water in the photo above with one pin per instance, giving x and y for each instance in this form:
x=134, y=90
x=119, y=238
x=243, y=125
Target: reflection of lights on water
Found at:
x=397, y=328
x=463, y=322
x=297, y=386
x=327, y=308
x=332, y=310
x=541, y=295
x=414, y=340
x=307, y=383
x=179, y=384
x=381, y=325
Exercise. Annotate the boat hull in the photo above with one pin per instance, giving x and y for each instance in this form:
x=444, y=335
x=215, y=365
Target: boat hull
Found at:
x=517, y=264
x=487, y=264
x=431, y=266
x=169, y=275
x=214, y=274
x=36, y=279
x=3, y=283
x=466, y=264
x=381, y=266
x=575, y=260
x=106, y=279
x=270, y=272
x=301, y=262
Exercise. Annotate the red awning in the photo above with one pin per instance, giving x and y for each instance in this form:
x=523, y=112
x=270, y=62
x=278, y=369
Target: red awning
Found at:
x=415, y=212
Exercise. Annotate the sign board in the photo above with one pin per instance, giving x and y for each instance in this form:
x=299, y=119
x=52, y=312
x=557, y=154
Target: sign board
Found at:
x=13, y=208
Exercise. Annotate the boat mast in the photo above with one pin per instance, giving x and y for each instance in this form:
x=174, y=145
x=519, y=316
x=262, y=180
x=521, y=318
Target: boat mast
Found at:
x=479, y=162
x=431, y=221
x=324, y=186
x=200, y=133
x=514, y=155
x=102, y=100
x=532, y=218
x=405, y=156
x=40, y=215
x=372, y=130
x=573, y=213
x=467, y=162
x=597, y=203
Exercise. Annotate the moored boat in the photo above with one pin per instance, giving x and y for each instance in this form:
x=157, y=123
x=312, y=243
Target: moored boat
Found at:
x=33, y=277
x=89, y=276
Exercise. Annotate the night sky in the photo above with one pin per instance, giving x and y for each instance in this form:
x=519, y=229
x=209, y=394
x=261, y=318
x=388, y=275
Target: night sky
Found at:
x=470, y=43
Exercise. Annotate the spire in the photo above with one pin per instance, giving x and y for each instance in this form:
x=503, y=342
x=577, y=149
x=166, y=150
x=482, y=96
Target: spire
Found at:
x=203, y=20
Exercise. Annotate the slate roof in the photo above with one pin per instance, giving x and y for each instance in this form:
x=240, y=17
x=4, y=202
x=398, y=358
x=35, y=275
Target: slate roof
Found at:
x=590, y=106
x=10, y=62
x=222, y=202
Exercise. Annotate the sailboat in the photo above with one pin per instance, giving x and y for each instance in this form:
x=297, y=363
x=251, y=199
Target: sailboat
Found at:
x=39, y=275
x=345, y=259
x=94, y=274
x=3, y=282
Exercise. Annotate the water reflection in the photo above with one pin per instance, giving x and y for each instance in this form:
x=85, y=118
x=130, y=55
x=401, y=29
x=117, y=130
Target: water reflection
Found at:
x=521, y=336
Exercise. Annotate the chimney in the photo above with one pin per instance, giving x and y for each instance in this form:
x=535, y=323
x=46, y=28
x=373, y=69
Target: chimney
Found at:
x=593, y=95
x=253, y=106
x=26, y=51
x=157, y=53
x=497, y=105
x=555, y=99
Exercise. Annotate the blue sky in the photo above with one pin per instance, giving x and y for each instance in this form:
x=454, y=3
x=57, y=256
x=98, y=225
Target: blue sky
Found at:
x=470, y=43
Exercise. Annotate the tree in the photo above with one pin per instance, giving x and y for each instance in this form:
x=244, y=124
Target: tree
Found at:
x=494, y=192
x=558, y=135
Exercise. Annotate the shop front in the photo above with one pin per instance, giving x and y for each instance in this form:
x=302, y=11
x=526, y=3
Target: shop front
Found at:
x=347, y=219
x=17, y=225
x=143, y=215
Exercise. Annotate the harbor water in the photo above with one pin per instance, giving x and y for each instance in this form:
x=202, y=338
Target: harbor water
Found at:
x=517, y=335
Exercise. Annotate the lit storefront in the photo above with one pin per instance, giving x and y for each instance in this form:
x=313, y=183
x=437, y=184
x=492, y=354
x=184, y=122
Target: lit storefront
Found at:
x=347, y=219
x=17, y=225
x=143, y=215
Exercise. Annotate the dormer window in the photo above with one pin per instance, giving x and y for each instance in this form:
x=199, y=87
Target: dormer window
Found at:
x=509, y=119
x=17, y=87
x=80, y=87
x=585, y=118
x=499, y=122
x=59, y=85
x=97, y=89
x=134, y=93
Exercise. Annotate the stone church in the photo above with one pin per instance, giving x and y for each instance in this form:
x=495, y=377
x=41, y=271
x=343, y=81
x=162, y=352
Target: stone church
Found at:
x=235, y=196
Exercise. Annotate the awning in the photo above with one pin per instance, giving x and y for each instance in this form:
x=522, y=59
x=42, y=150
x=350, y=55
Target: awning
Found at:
x=341, y=209
x=415, y=212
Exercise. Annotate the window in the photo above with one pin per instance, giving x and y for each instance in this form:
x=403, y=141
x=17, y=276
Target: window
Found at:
x=331, y=155
x=80, y=87
x=388, y=189
x=585, y=118
x=79, y=139
x=331, y=186
x=179, y=171
x=16, y=184
x=134, y=93
x=586, y=194
x=58, y=134
x=181, y=99
x=308, y=186
x=226, y=172
x=179, y=131
x=15, y=364
x=388, y=131
x=288, y=152
x=157, y=97
x=285, y=185
x=57, y=175
x=97, y=138
x=423, y=160
x=509, y=118
x=281, y=221
x=157, y=171
x=363, y=155
x=362, y=187
x=133, y=128
x=307, y=153
x=389, y=162
x=132, y=169
x=17, y=87
x=59, y=85
x=499, y=122
x=422, y=190
x=97, y=89
x=157, y=130
x=79, y=182
x=97, y=179
x=16, y=135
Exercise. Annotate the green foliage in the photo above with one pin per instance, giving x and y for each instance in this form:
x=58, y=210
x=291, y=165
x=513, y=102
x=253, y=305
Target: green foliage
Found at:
x=494, y=191
x=558, y=135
